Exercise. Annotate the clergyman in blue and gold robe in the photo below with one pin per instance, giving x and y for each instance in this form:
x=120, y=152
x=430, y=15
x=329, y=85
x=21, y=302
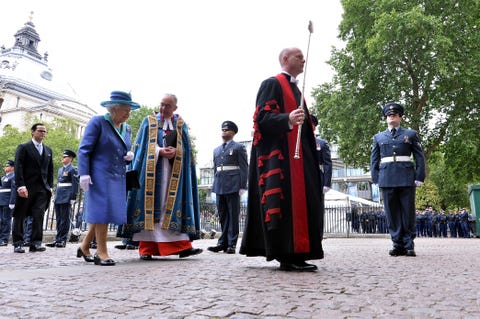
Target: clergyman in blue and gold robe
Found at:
x=164, y=213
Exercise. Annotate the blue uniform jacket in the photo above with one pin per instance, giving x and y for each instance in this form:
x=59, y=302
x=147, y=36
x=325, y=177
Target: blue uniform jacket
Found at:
x=230, y=181
x=397, y=174
x=8, y=191
x=66, y=175
x=325, y=159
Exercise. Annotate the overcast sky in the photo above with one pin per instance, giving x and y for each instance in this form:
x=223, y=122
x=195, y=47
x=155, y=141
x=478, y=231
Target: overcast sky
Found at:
x=213, y=54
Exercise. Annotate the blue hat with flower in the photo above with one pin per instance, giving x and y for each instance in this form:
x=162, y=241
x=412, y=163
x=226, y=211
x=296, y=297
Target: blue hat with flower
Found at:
x=119, y=97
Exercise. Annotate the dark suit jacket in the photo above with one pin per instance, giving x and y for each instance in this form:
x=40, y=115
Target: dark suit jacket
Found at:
x=32, y=170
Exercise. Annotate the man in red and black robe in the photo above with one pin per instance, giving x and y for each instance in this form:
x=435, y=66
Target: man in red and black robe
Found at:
x=285, y=198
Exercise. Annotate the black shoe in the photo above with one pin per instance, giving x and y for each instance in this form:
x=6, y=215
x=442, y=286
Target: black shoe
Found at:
x=27, y=243
x=190, y=252
x=410, y=253
x=52, y=244
x=18, y=249
x=298, y=266
x=103, y=262
x=122, y=246
x=60, y=244
x=146, y=257
x=397, y=252
x=131, y=247
x=217, y=248
x=88, y=259
x=230, y=250
x=36, y=248
x=74, y=239
x=3, y=243
x=93, y=245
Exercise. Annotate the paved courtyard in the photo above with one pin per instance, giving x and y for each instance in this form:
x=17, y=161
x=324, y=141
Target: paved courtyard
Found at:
x=357, y=279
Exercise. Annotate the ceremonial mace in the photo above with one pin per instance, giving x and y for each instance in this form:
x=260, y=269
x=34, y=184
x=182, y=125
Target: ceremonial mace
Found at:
x=299, y=133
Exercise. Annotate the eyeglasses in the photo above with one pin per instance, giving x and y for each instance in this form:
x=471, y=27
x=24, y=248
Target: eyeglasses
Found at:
x=42, y=131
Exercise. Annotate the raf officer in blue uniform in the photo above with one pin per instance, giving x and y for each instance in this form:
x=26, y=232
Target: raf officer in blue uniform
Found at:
x=65, y=196
x=397, y=176
x=229, y=183
x=8, y=193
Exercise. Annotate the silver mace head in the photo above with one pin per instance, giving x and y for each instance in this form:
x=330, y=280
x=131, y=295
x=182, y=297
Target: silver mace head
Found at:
x=310, y=26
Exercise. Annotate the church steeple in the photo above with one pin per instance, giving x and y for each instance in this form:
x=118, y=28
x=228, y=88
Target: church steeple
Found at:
x=27, y=38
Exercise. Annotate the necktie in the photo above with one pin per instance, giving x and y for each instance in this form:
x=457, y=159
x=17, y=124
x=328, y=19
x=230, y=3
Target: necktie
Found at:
x=393, y=131
x=39, y=148
x=223, y=145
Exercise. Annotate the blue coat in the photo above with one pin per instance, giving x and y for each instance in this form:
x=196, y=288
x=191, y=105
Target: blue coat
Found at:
x=8, y=191
x=64, y=194
x=230, y=181
x=397, y=174
x=100, y=155
x=325, y=159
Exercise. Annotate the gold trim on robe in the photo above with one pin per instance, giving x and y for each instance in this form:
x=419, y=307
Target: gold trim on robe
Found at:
x=150, y=170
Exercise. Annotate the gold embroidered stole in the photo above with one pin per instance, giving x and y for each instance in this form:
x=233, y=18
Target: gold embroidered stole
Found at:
x=173, y=182
x=150, y=171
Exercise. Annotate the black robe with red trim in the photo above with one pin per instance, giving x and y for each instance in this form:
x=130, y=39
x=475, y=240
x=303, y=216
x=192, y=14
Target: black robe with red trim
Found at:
x=285, y=199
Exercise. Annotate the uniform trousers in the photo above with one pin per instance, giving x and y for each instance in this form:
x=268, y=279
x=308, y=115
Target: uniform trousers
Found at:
x=399, y=204
x=228, y=207
x=5, y=223
x=62, y=217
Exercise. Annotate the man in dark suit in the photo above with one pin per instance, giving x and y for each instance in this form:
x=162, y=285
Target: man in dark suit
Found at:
x=324, y=157
x=34, y=180
x=397, y=176
x=230, y=182
x=65, y=196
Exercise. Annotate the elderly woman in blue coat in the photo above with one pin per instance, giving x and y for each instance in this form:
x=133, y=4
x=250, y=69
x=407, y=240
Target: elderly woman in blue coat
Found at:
x=103, y=155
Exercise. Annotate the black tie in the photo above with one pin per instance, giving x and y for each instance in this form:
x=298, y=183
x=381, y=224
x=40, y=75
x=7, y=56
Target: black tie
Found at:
x=224, y=144
x=393, y=131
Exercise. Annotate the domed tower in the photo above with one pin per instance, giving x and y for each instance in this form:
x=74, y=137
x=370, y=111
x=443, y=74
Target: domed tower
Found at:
x=29, y=90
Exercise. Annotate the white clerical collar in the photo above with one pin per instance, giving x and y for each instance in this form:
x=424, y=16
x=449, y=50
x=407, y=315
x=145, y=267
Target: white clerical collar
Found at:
x=292, y=78
x=167, y=124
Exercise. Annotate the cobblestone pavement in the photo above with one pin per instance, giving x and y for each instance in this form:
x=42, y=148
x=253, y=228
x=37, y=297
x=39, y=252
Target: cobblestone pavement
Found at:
x=357, y=279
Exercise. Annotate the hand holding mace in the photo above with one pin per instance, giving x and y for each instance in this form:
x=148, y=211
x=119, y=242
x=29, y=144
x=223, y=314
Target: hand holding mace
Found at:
x=299, y=132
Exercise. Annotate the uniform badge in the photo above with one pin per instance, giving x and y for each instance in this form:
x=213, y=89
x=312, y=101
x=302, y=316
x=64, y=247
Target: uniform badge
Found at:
x=406, y=140
x=65, y=174
x=231, y=152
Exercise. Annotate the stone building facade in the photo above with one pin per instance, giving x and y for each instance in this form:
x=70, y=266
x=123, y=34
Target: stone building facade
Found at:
x=29, y=89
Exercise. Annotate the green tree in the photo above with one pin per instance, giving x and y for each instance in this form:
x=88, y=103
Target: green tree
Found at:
x=61, y=135
x=425, y=54
x=136, y=118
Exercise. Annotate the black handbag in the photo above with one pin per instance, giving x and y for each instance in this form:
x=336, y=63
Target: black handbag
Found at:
x=170, y=139
x=133, y=182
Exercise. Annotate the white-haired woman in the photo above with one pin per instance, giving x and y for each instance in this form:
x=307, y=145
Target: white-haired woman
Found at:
x=103, y=155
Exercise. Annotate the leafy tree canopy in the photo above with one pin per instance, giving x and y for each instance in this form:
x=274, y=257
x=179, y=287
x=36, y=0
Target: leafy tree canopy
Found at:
x=424, y=54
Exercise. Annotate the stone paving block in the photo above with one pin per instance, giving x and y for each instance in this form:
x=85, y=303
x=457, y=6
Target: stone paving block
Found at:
x=357, y=279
